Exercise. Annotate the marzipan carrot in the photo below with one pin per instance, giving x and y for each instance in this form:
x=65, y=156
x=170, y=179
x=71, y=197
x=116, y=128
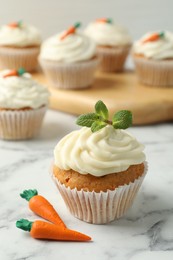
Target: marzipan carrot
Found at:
x=41, y=206
x=154, y=37
x=70, y=30
x=104, y=20
x=43, y=230
x=15, y=24
x=11, y=73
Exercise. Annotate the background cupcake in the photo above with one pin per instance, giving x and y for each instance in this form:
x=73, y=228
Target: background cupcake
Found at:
x=153, y=57
x=23, y=103
x=19, y=46
x=113, y=43
x=99, y=170
x=69, y=59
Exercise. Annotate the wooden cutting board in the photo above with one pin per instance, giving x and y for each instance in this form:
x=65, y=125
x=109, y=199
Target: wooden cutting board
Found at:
x=118, y=91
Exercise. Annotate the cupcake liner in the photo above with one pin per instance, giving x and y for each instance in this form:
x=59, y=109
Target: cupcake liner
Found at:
x=102, y=207
x=112, y=59
x=70, y=76
x=20, y=124
x=154, y=72
x=14, y=58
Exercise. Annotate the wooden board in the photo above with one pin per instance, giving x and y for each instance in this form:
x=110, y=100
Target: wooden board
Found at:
x=118, y=91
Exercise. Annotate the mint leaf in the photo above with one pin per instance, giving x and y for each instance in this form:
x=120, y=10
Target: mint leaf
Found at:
x=101, y=109
x=97, y=125
x=87, y=119
x=122, y=119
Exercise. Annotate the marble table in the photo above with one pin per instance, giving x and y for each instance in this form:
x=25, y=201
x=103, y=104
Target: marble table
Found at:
x=146, y=232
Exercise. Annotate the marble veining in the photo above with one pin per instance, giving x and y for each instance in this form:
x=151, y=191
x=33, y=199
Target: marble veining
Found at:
x=145, y=232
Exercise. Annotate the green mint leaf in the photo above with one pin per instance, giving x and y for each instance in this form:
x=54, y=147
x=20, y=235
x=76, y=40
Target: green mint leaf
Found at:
x=101, y=109
x=97, y=125
x=122, y=119
x=87, y=119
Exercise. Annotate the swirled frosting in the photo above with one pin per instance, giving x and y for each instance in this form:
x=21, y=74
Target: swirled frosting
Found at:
x=75, y=47
x=22, y=36
x=103, y=152
x=19, y=92
x=160, y=49
x=108, y=34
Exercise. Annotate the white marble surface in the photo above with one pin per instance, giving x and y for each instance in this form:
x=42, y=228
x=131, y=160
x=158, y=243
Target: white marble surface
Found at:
x=146, y=232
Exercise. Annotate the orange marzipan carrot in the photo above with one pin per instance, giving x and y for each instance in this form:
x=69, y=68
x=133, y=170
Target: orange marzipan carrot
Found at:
x=14, y=24
x=10, y=73
x=43, y=230
x=101, y=20
x=153, y=37
x=42, y=207
x=69, y=31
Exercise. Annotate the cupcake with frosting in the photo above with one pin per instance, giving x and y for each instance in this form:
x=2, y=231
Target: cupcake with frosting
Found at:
x=113, y=43
x=99, y=168
x=23, y=103
x=69, y=59
x=19, y=46
x=153, y=57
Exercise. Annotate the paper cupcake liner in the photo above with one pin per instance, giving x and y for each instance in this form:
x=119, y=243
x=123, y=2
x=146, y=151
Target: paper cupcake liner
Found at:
x=154, y=73
x=14, y=58
x=20, y=124
x=70, y=76
x=102, y=207
x=112, y=59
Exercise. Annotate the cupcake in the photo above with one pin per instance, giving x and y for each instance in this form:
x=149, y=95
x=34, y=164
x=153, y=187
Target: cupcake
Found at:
x=69, y=60
x=23, y=103
x=113, y=44
x=19, y=46
x=153, y=58
x=99, y=168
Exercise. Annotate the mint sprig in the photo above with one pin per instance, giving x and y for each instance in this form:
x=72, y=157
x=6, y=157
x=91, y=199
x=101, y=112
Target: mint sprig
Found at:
x=121, y=120
x=101, y=110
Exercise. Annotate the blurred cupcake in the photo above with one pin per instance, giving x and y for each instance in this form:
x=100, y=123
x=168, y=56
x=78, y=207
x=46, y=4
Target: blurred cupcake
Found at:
x=69, y=59
x=19, y=46
x=23, y=103
x=99, y=170
x=153, y=57
x=113, y=44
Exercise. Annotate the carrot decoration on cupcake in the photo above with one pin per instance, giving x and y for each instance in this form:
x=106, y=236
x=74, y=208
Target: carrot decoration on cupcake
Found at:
x=15, y=24
x=41, y=206
x=43, y=230
x=11, y=73
x=70, y=30
x=104, y=20
x=154, y=37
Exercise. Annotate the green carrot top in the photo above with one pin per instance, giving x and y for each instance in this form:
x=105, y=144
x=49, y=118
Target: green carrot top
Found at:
x=24, y=224
x=28, y=194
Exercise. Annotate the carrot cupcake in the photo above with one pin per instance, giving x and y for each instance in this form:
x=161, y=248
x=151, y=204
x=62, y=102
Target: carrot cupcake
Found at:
x=99, y=168
x=19, y=46
x=153, y=57
x=23, y=103
x=69, y=59
x=113, y=43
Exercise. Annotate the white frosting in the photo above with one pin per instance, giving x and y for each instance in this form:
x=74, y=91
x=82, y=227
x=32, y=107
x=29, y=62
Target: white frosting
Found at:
x=19, y=92
x=73, y=48
x=108, y=34
x=103, y=152
x=160, y=49
x=22, y=36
